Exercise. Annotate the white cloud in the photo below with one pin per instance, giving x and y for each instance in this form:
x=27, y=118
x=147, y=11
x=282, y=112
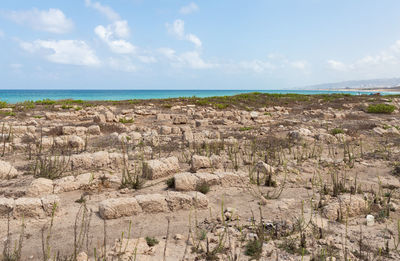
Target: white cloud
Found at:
x=110, y=35
x=190, y=59
x=257, y=66
x=1, y=34
x=273, y=63
x=193, y=60
x=302, y=65
x=386, y=59
x=52, y=20
x=103, y=9
x=194, y=39
x=147, y=59
x=16, y=66
x=337, y=65
x=177, y=28
x=73, y=52
x=188, y=9
x=121, y=28
x=124, y=65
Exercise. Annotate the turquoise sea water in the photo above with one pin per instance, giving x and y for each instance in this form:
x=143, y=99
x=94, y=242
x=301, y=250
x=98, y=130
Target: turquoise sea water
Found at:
x=13, y=96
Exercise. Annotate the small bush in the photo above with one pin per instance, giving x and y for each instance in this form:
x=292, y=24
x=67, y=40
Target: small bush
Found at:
x=381, y=108
x=221, y=106
x=66, y=107
x=396, y=170
x=125, y=120
x=132, y=181
x=170, y=182
x=254, y=248
x=203, y=187
x=167, y=105
x=45, y=102
x=151, y=241
x=336, y=131
x=245, y=128
x=3, y=104
x=50, y=167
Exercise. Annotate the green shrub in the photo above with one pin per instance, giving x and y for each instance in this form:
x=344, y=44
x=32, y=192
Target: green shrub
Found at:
x=381, y=108
x=203, y=187
x=151, y=241
x=125, y=120
x=245, y=128
x=221, y=106
x=254, y=248
x=336, y=131
x=66, y=107
x=3, y=104
x=45, y=102
x=170, y=182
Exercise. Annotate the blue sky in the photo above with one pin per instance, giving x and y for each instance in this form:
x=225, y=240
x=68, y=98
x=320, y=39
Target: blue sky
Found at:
x=207, y=44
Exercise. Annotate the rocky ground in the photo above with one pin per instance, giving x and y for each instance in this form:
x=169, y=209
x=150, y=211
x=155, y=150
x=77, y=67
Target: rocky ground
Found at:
x=248, y=177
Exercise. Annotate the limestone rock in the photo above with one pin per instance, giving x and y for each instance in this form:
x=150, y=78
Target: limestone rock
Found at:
x=6, y=206
x=119, y=207
x=178, y=201
x=154, y=169
x=199, y=162
x=28, y=208
x=7, y=170
x=152, y=203
x=50, y=203
x=39, y=187
x=185, y=181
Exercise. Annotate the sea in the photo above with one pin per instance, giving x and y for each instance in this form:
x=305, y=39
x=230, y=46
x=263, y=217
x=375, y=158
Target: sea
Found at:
x=15, y=96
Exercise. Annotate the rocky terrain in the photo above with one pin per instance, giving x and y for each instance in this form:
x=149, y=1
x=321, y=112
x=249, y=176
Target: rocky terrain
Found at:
x=248, y=177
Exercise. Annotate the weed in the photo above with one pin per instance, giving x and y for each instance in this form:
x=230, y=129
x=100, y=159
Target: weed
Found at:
x=245, y=128
x=381, y=108
x=50, y=167
x=170, y=182
x=126, y=120
x=151, y=241
x=203, y=187
x=45, y=102
x=336, y=131
x=254, y=249
x=3, y=104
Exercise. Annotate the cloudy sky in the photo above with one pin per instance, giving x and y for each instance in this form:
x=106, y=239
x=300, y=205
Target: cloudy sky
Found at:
x=207, y=44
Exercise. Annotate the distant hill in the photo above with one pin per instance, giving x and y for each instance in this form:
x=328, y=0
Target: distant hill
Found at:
x=360, y=84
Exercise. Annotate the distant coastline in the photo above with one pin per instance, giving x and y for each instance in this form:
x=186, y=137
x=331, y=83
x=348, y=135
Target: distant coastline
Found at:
x=14, y=96
x=385, y=90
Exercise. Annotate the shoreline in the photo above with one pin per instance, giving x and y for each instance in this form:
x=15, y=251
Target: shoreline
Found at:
x=35, y=96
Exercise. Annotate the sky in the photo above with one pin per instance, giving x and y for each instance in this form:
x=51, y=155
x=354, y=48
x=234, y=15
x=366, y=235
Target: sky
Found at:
x=203, y=44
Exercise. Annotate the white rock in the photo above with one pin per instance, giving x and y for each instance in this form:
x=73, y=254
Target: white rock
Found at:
x=185, y=181
x=28, y=207
x=119, y=207
x=370, y=220
x=51, y=203
x=40, y=187
x=199, y=162
x=6, y=206
x=154, y=169
x=152, y=203
x=7, y=170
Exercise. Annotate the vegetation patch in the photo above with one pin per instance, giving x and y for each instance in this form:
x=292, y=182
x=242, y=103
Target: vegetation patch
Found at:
x=337, y=131
x=381, y=108
x=151, y=241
